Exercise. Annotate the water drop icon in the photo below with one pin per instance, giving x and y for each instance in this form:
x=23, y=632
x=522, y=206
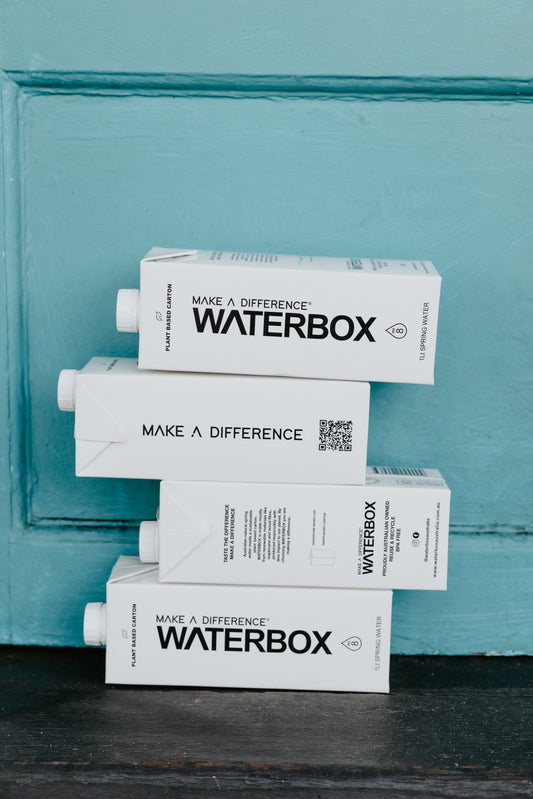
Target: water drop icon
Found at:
x=398, y=330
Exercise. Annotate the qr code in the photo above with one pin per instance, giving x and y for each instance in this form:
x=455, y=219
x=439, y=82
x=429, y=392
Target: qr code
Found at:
x=335, y=435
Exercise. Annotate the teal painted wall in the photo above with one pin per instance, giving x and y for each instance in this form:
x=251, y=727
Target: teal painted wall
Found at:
x=375, y=129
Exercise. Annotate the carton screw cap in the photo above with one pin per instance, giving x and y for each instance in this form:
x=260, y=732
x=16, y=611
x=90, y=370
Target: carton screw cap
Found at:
x=95, y=624
x=128, y=310
x=149, y=542
x=66, y=390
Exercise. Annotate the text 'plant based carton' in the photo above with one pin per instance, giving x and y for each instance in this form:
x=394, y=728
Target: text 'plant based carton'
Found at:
x=300, y=316
x=240, y=636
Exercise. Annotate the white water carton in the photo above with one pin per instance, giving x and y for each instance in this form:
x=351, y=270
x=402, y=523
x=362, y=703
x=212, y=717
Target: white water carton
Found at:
x=299, y=316
x=240, y=636
x=182, y=426
x=390, y=533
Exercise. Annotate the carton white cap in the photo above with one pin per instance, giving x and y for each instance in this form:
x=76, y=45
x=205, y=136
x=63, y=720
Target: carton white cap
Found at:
x=128, y=310
x=95, y=624
x=66, y=390
x=149, y=542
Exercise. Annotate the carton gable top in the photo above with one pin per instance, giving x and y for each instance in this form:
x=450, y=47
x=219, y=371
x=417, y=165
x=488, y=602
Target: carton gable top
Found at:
x=165, y=254
x=129, y=567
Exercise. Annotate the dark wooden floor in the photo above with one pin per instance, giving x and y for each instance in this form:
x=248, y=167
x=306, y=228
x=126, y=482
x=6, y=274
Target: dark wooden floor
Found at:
x=450, y=727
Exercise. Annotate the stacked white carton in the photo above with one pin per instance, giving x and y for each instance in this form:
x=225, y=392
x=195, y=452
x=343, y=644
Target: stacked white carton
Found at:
x=275, y=550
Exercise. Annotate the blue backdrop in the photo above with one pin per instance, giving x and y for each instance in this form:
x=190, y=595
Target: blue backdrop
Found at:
x=369, y=129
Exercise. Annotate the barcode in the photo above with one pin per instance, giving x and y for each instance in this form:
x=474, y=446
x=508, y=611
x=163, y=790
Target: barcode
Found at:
x=405, y=470
x=335, y=435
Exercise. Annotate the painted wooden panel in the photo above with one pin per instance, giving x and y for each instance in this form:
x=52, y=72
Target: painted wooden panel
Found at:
x=338, y=38
x=449, y=181
x=486, y=609
x=99, y=166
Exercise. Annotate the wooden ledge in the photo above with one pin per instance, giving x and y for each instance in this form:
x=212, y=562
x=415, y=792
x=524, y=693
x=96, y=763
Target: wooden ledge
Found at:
x=450, y=727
